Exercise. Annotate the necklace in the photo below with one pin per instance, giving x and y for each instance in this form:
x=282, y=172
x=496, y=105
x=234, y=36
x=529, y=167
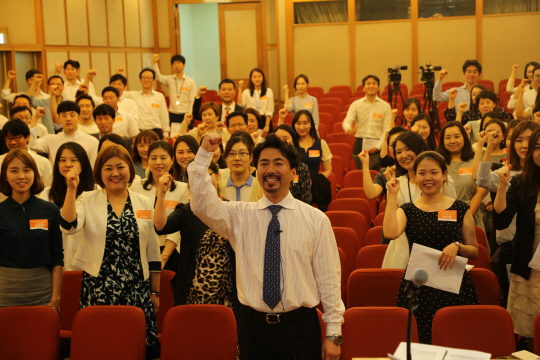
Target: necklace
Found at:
x=120, y=202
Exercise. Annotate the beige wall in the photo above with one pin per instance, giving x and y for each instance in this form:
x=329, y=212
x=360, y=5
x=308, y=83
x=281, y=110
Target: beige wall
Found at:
x=19, y=32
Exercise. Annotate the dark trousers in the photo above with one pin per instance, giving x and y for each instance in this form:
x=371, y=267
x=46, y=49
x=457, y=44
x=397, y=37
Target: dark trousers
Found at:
x=158, y=132
x=374, y=159
x=298, y=339
x=178, y=118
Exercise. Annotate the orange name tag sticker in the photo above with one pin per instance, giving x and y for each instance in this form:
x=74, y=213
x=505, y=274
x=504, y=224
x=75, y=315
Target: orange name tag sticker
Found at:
x=308, y=105
x=185, y=88
x=155, y=106
x=37, y=224
x=314, y=153
x=264, y=97
x=170, y=204
x=447, y=215
x=377, y=116
x=296, y=178
x=465, y=171
x=143, y=214
x=118, y=119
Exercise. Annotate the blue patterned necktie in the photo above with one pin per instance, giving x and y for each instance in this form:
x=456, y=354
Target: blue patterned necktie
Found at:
x=272, y=258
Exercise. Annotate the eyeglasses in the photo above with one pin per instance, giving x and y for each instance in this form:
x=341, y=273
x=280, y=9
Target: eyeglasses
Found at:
x=537, y=76
x=16, y=138
x=241, y=154
x=147, y=78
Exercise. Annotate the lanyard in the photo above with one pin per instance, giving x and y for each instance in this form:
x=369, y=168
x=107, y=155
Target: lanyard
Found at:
x=176, y=86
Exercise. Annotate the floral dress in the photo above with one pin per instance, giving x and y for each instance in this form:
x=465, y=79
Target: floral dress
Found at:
x=121, y=280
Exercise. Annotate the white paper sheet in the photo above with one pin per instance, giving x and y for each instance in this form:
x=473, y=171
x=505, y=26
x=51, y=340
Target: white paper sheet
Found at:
x=431, y=352
x=427, y=258
x=535, y=261
x=368, y=144
x=175, y=128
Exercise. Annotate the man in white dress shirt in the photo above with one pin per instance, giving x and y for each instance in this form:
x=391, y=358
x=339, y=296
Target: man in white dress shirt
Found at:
x=11, y=74
x=86, y=120
x=286, y=257
x=72, y=71
x=529, y=97
x=227, y=90
x=367, y=119
x=124, y=124
x=68, y=116
x=17, y=136
x=182, y=88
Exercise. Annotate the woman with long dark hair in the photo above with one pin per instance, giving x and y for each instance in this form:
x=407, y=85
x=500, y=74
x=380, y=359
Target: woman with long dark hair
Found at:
x=423, y=125
x=140, y=151
x=302, y=101
x=70, y=155
x=160, y=160
x=185, y=148
x=411, y=108
x=259, y=97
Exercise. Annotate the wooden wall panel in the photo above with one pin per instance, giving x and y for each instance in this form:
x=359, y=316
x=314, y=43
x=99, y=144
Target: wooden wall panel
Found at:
x=147, y=60
x=115, y=21
x=131, y=16
x=19, y=32
x=52, y=58
x=163, y=24
x=134, y=66
x=165, y=68
x=147, y=23
x=84, y=59
x=117, y=60
x=77, y=24
x=97, y=13
x=100, y=63
x=241, y=55
x=24, y=61
x=54, y=21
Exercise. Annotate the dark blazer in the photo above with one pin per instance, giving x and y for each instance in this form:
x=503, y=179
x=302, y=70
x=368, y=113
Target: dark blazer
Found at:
x=127, y=140
x=196, y=111
x=525, y=223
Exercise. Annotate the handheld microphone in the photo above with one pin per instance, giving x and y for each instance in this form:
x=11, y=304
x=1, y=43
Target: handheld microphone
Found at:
x=418, y=278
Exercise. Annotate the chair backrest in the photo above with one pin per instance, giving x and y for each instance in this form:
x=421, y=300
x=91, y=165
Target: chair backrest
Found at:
x=483, y=260
x=374, y=236
x=373, y=287
x=486, y=285
x=347, y=241
x=109, y=332
x=379, y=219
x=323, y=130
x=341, y=138
x=371, y=257
x=316, y=91
x=486, y=328
x=166, y=300
x=29, y=332
x=537, y=334
x=359, y=205
x=358, y=192
x=342, y=88
x=288, y=119
x=70, y=299
x=487, y=83
x=203, y=332
x=374, y=331
x=329, y=99
x=504, y=98
x=327, y=120
x=350, y=219
x=338, y=170
x=329, y=109
x=355, y=178
x=359, y=93
x=481, y=237
x=338, y=94
x=343, y=264
x=344, y=151
x=382, y=206
x=337, y=128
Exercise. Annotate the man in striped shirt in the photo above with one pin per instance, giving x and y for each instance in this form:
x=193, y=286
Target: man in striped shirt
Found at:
x=286, y=256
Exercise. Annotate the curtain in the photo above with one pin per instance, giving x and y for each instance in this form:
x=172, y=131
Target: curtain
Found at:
x=510, y=6
x=320, y=12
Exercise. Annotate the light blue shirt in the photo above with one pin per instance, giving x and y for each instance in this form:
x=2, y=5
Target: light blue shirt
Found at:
x=247, y=193
x=47, y=118
x=463, y=95
x=308, y=103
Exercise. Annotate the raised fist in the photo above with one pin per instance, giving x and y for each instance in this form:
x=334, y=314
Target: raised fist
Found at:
x=91, y=73
x=58, y=67
x=119, y=70
x=241, y=84
x=11, y=74
x=187, y=118
x=286, y=88
x=283, y=112
x=156, y=57
x=392, y=186
x=165, y=182
x=72, y=178
x=515, y=67
x=504, y=174
x=453, y=93
x=394, y=113
x=202, y=91
x=220, y=125
x=83, y=88
x=40, y=112
x=462, y=107
x=537, y=117
x=201, y=129
x=443, y=74
x=364, y=157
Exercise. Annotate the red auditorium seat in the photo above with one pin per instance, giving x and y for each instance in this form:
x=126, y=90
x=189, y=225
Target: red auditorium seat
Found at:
x=109, y=332
x=329, y=109
x=486, y=285
x=316, y=92
x=337, y=128
x=327, y=120
x=481, y=236
x=166, y=299
x=344, y=151
x=344, y=277
x=487, y=83
x=342, y=88
x=341, y=138
x=352, y=220
x=202, y=332
x=338, y=170
x=371, y=257
x=450, y=85
x=404, y=90
x=69, y=301
x=373, y=287
x=323, y=131
x=374, y=236
x=332, y=101
x=347, y=241
x=337, y=94
x=374, y=331
x=359, y=205
x=379, y=219
x=483, y=260
x=358, y=192
x=486, y=328
x=355, y=178
x=29, y=332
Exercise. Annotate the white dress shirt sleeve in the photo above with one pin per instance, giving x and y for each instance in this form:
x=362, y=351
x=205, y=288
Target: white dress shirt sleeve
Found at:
x=386, y=125
x=162, y=79
x=269, y=103
x=438, y=95
x=7, y=95
x=350, y=118
x=80, y=207
x=220, y=216
x=164, y=115
x=485, y=178
x=245, y=97
x=39, y=145
x=46, y=172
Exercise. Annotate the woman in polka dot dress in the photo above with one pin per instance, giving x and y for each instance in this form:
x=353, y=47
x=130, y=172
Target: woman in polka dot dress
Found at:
x=419, y=220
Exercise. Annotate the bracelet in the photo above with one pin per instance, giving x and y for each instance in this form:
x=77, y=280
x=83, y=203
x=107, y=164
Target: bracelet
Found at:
x=154, y=293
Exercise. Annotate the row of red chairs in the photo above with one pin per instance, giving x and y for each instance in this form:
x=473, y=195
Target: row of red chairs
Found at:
x=209, y=332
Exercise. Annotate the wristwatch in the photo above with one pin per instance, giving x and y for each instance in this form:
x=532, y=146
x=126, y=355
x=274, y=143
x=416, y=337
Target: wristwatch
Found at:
x=458, y=244
x=336, y=339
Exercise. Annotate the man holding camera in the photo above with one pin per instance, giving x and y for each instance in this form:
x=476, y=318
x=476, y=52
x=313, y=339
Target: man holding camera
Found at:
x=471, y=71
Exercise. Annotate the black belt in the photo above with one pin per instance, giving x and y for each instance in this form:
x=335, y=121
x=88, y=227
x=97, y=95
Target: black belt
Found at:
x=276, y=318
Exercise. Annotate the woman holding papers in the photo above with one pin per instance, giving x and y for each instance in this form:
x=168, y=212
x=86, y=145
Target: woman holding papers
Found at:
x=522, y=199
x=436, y=221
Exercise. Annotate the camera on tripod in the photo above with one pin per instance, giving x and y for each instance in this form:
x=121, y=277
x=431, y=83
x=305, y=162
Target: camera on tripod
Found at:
x=395, y=74
x=428, y=74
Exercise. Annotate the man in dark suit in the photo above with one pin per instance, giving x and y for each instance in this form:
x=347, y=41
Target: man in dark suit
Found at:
x=227, y=91
x=104, y=116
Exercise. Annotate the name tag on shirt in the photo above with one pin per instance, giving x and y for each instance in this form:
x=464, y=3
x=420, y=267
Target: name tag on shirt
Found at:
x=118, y=119
x=264, y=97
x=155, y=106
x=465, y=171
x=185, y=88
x=314, y=153
x=143, y=214
x=447, y=215
x=170, y=204
x=308, y=105
x=39, y=224
x=377, y=116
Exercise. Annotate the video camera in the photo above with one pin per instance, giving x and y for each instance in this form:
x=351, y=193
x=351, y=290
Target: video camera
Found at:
x=394, y=73
x=428, y=74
